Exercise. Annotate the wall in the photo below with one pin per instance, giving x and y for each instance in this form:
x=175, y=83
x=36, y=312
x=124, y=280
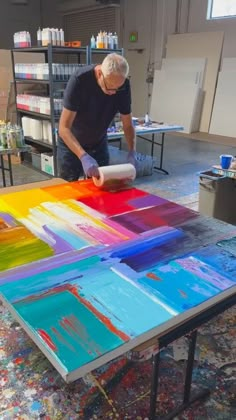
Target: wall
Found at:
x=197, y=23
x=51, y=14
x=17, y=18
x=154, y=20
x=71, y=5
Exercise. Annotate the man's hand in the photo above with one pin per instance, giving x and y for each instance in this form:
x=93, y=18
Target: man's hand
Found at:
x=90, y=166
x=131, y=158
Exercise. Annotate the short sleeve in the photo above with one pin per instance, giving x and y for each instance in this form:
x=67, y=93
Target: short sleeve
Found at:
x=72, y=94
x=124, y=99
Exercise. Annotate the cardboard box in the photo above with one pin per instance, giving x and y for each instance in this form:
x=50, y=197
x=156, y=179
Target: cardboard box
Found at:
x=15, y=159
x=47, y=163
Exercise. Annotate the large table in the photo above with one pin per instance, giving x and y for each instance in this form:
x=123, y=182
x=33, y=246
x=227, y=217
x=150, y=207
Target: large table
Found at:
x=146, y=272
x=143, y=133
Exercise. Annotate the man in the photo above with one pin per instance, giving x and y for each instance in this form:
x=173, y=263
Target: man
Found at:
x=94, y=94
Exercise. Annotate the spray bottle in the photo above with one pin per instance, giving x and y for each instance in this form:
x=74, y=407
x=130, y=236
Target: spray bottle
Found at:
x=93, y=42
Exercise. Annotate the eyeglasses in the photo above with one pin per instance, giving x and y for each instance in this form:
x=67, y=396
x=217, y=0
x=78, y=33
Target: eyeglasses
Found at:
x=120, y=89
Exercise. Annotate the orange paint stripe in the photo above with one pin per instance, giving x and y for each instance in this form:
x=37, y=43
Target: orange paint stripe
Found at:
x=102, y=318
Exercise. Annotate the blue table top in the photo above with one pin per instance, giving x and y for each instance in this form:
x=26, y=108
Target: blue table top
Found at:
x=153, y=128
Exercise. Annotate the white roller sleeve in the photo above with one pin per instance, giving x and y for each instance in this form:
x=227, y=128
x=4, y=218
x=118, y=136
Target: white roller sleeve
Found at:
x=123, y=172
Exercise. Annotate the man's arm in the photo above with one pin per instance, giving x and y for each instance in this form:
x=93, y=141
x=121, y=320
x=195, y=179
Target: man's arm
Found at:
x=65, y=124
x=129, y=131
x=90, y=165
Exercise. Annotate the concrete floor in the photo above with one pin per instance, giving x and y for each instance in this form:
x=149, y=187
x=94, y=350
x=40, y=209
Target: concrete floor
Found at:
x=184, y=158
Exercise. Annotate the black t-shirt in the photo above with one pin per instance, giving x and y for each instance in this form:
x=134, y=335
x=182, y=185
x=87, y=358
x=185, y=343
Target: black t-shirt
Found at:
x=95, y=110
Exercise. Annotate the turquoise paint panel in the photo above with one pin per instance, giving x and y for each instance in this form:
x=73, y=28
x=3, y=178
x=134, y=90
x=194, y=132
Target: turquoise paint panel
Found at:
x=78, y=335
x=45, y=280
x=129, y=307
x=178, y=287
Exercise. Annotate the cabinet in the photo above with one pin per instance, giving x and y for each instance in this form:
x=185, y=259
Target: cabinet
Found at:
x=51, y=76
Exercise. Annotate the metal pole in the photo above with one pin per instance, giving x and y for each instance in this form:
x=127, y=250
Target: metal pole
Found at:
x=189, y=368
x=154, y=385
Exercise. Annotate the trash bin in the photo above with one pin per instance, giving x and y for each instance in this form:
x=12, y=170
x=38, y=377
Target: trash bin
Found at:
x=217, y=196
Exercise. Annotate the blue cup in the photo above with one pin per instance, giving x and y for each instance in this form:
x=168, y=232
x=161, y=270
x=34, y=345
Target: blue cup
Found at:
x=225, y=161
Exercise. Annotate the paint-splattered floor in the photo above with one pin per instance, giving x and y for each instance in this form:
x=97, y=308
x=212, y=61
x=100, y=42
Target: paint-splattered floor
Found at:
x=31, y=389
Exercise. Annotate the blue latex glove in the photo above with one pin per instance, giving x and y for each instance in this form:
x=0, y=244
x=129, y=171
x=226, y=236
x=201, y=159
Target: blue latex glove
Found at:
x=90, y=166
x=131, y=158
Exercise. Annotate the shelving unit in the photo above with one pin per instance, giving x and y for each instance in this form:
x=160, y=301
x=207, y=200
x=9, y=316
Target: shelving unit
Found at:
x=51, y=86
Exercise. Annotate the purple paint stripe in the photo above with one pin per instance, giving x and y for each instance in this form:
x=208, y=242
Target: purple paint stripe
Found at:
x=102, y=236
x=119, y=228
x=145, y=236
x=10, y=220
x=60, y=245
x=147, y=201
x=48, y=264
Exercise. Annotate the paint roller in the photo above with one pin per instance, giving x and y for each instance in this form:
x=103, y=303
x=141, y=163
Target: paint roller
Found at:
x=115, y=176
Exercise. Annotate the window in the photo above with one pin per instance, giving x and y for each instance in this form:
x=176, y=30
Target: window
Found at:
x=218, y=9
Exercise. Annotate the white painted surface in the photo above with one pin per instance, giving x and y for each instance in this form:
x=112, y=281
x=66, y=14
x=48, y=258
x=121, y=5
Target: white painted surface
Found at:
x=207, y=45
x=176, y=101
x=223, y=121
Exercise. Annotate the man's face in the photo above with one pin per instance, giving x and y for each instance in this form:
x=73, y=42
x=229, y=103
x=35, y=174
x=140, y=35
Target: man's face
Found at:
x=110, y=84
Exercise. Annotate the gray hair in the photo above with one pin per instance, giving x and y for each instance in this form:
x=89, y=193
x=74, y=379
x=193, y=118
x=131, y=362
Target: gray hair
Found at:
x=115, y=64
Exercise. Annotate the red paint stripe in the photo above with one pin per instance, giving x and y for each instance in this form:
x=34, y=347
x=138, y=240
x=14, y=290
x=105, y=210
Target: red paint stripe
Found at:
x=102, y=318
x=46, y=337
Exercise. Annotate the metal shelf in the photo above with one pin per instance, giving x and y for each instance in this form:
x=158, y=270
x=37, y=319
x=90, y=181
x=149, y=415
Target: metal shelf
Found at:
x=51, y=84
x=55, y=49
x=39, y=142
x=40, y=81
x=38, y=114
x=106, y=50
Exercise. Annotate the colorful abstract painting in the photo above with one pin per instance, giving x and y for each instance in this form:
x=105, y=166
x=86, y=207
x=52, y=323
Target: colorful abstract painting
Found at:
x=90, y=274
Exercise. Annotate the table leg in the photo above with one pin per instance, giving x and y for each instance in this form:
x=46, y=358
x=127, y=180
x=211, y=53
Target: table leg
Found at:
x=160, y=168
x=187, y=399
x=154, y=385
x=153, y=143
x=3, y=171
x=10, y=169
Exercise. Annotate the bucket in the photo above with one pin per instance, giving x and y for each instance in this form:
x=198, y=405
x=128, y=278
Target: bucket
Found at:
x=217, y=196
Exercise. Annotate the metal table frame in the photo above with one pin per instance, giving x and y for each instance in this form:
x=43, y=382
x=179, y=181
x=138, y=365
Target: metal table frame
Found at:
x=188, y=329
x=155, y=143
x=153, y=131
x=8, y=168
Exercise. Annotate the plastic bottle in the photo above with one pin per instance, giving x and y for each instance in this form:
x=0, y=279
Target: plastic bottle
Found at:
x=93, y=42
x=115, y=40
x=46, y=37
x=105, y=40
x=110, y=41
x=58, y=37
x=62, y=38
x=28, y=39
x=100, y=40
x=54, y=39
x=39, y=37
x=147, y=120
